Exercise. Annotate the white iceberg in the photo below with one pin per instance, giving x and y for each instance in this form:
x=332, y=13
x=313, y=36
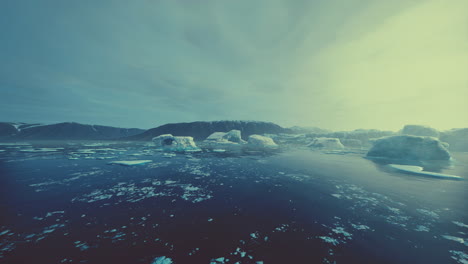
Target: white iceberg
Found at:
x=420, y=171
x=168, y=142
x=261, y=142
x=130, y=162
x=228, y=141
x=326, y=143
x=409, y=148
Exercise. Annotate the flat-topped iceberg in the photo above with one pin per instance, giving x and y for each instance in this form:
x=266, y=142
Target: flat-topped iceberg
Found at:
x=168, y=142
x=409, y=148
x=326, y=143
x=258, y=142
x=420, y=171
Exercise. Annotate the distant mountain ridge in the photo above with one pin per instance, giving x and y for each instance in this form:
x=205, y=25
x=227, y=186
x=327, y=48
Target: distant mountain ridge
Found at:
x=200, y=130
x=63, y=131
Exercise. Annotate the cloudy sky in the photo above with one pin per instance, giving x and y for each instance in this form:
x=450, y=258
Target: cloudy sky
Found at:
x=336, y=64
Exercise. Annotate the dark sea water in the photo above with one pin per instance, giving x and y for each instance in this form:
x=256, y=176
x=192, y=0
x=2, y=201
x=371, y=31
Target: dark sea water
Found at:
x=297, y=206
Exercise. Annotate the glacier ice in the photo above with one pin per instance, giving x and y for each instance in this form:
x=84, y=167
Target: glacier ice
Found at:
x=168, y=142
x=409, y=148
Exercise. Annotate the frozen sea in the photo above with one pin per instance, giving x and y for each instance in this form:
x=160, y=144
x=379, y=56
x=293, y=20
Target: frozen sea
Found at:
x=109, y=202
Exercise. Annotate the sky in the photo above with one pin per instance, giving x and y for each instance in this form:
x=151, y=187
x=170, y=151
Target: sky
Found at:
x=335, y=64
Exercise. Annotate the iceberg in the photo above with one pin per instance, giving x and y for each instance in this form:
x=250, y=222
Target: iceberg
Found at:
x=130, y=162
x=420, y=171
x=326, y=143
x=351, y=143
x=409, y=148
x=168, y=142
x=261, y=142
x=229, y=141
x=418, y=130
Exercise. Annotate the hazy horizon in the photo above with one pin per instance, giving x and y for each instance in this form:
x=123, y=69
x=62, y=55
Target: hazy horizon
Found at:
x=338, y=65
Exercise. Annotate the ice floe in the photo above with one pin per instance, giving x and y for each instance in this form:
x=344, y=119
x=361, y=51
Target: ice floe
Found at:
x=420, y=171
x=162, y=260
x=459, y=256
x=460, y=224
x=456, y=239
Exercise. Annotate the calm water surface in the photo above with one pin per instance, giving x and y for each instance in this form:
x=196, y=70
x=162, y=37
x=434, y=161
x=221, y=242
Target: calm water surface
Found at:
x=66, y=204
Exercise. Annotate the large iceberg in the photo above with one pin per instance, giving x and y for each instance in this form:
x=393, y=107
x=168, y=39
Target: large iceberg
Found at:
x=230, y=141
x=168, y=142
x=258, y=142
x=231, y=136
x=418, y=130
x=409, y=148
x=326, y=143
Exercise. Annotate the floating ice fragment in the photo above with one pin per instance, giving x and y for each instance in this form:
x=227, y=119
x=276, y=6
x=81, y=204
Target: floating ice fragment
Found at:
x=460, y=224
x=4, y=232
x=459, y=256
x=456, y=239
x=130, y=162
x=360, y=227
x=329, y=240
x=420, y=171
x=162, y=260
x=219, y=150
x=56, y=212
x=428, y=213
x=340, y=230
x=421, y=228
